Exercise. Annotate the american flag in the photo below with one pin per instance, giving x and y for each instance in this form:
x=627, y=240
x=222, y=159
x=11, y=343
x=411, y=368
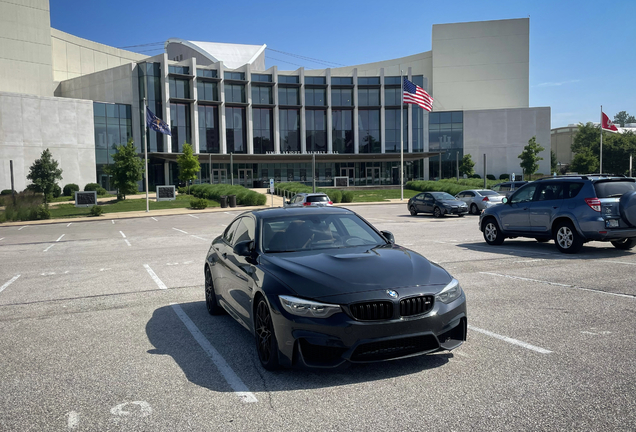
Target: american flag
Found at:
x=415, y=94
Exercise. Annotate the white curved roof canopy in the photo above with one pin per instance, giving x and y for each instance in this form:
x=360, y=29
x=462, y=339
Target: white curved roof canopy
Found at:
x=233, y=56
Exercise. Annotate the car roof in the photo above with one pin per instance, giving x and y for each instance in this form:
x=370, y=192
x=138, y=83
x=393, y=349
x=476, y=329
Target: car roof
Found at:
x=591, y=177
x=276, y=212
x=312, y=194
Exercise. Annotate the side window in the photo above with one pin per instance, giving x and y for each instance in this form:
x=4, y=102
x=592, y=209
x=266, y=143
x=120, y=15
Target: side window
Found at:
x=504, y=187
x=462, y=195
x=523, y=195
x=572, y=190
x=549, y=192
x=228, y=235
x=244, y=230
x=299, y=199
x=469, y=194
x=428, y=197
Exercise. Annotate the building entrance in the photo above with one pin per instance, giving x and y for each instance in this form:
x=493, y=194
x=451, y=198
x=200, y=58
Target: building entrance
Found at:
x=219, y=176
x=245, y=177
x=373, y=176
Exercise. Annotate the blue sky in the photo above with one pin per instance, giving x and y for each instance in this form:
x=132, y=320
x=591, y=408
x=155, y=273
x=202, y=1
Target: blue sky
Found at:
x=581, y=52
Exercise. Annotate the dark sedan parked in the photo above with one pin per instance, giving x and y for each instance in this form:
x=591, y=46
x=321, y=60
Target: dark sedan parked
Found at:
x=438, y=203
x=321, y=287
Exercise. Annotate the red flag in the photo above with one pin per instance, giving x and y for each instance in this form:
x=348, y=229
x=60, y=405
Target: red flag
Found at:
x=607, y=123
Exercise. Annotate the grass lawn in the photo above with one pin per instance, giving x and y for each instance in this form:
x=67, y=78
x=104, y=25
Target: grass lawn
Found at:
x=69, y=210
x=381, y=195
x=72, y=198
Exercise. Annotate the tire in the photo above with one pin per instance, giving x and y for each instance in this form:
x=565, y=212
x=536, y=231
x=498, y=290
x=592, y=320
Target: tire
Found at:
x=437, y=212
x=413, y=211
x=542, y=240
x=266, y=344
x=210, y=295
x=473, y=209
x=460, y=214
x=492, y=233
x=624, y=244
x=567, y=239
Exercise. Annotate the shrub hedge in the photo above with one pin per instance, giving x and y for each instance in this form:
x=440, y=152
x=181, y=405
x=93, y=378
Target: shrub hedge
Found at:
x=28, y=206
x=244, y=196
x=95, y=187
x=6, y=192
x=198, y=203
x=97, y=210
x=335, y=195
x=70, y=189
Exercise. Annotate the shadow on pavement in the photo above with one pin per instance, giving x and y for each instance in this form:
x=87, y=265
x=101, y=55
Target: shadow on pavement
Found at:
x=170, y=337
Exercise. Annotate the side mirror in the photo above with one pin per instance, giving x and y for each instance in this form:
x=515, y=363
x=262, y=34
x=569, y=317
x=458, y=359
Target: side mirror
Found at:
x=288, y=202
x=504, y=200
x=389, y=236
x=244, y=248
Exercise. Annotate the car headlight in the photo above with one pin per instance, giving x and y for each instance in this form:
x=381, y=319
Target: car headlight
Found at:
x=302, y=307
x=451, y=292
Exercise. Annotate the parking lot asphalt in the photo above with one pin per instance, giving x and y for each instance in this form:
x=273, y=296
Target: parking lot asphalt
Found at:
x=104, y=327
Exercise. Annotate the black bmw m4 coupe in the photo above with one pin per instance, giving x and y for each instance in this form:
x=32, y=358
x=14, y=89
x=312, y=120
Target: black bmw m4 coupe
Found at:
x=321, y=287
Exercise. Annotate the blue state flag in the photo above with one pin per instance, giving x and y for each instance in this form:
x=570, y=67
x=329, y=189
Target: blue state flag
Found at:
x=156, y=124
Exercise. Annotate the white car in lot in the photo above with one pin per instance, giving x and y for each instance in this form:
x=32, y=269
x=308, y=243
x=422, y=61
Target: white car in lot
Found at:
x=479, y=199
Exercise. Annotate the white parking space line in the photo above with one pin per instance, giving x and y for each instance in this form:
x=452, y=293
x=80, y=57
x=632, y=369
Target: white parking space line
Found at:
x=122, y=234
x=69, y=224
x=154, y=219
x=60, y=238
x=614, y=262
x=239, y=387
x=73, y=420
x=177, y=229
x=49, y=247
x=154, y=277
x=21, y=227
x=1, y=238
x=196, y=217
x=200, y=238
x=127, y=242
x=560, y=284
x=510, y=340
x=112, y=221
x=13, y=279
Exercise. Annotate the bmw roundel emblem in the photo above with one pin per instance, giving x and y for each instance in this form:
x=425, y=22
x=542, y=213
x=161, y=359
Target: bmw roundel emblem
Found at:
x=392, y=294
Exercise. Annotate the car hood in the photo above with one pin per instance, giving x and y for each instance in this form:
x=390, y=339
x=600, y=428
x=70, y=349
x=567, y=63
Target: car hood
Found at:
x=325, y=273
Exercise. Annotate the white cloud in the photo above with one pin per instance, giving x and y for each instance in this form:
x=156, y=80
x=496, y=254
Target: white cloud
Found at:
x=557, y=84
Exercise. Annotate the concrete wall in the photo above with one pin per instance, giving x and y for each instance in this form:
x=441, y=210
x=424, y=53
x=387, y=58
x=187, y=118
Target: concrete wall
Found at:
x=74, y=56
x=25, y=47
x=561, y=143
x=481, y=65
x=112, y=85
x=502, y=134
x=31, y=124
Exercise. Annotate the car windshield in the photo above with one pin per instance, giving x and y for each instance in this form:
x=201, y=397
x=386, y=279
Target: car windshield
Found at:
x=614, y=189
x=488, y=192
x=317, y=198
x=317, y=231
x=442, y=196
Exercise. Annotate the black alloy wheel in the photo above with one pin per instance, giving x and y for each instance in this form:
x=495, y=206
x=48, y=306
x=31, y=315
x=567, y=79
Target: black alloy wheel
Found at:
x=624, y=244
x=210, y=295
x=266, y=344
x=492, y=233
x=437, y=212
x=473, y=209
x=567, y=239
x=413, y=211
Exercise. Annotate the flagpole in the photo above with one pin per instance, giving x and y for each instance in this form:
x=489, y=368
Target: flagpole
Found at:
x=146, y=155
x=601, y=152
x=402, y=138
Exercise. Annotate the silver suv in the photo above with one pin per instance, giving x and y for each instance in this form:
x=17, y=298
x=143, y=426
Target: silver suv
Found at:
x=308, y=199
x=572, y=210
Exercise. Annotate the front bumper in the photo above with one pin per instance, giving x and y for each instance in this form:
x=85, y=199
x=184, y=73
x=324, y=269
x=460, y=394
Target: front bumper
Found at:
x=456, y=210
x=331, y=342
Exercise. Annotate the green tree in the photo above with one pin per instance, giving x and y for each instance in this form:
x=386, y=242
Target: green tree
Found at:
x=584, y=163
x=617, y=148
x=622, y=117
x=466, y=166
x=127, y=169
x=44, y=174
x=553, y=162
x=530, y=156
x=189, y=165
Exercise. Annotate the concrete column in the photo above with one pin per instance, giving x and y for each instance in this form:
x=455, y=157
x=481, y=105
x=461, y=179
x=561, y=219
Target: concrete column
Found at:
x=356, y=137
x=382, y=114
x=165, y=102
x=276, y=119
x=248, y=110
x=194, y=119
x=222, y=134
x=329, y=115
x=303, y=124
x=166, y=172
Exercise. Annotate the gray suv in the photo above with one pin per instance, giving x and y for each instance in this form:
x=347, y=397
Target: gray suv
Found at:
x=572, y=210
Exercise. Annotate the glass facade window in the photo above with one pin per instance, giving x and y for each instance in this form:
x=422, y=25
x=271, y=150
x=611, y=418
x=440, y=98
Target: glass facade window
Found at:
x=288, y=79
x=263, y=130
x=235, y=130
x=368, y=80
x=341, y=80
x=368, y=97
x=180, y=126
x=238, y=76
x=209, y=129
x=289, y=130
x=342, y=131
x=393, y=80
x=315, y=80
x=234, y=93
x=418, y=114
x=262, y=95
x=207, y=73
x=288, y=96
x=445, y=132
x=316, y=130
x=261, y=78
x=392, y=96
x=315, y=97
x=341, y=97
x=113, y=127
x=207, y=91
x=392, y=131
x=369, y=131
x=179, y=88
x=150, y=86
x=183, y=70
